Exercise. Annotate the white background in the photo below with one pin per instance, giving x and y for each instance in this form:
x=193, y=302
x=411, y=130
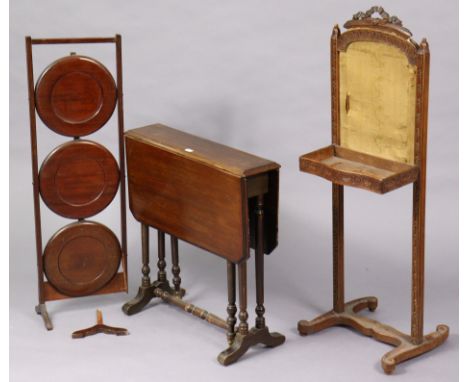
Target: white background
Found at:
x=253, y=75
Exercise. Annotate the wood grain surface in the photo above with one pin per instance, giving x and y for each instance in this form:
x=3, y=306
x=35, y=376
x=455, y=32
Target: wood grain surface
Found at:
x=386, y=112
x=201, y=195
x=212, y=154
x=81, y=258
x=352, y=168
x=79, y=179
x=75, y=95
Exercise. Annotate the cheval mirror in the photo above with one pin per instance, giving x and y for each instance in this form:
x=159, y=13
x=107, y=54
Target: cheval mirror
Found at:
x=75, y=96
x=380, y=79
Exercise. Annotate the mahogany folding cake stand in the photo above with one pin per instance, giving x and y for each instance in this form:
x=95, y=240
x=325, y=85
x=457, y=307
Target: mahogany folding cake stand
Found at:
x=212, y=196
x=74, y=97
x=380, y=79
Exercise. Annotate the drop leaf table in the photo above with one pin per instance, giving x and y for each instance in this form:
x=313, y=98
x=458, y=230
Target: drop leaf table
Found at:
x=212, y=196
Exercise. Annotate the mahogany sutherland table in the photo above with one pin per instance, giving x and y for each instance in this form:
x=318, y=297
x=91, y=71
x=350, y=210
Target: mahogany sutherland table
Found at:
x=217, y=198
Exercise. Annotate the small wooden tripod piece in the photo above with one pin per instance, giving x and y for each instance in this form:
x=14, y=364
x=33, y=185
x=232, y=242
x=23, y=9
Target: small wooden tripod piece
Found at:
x=99, y=328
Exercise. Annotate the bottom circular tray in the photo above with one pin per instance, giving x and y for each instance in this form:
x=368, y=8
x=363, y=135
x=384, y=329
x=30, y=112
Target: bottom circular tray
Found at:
x=81, y=258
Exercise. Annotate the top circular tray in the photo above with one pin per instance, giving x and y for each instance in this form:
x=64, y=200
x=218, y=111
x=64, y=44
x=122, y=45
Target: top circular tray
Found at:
x=75, y=96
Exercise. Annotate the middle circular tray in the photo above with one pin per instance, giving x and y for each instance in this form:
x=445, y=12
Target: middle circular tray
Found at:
x=79, y=179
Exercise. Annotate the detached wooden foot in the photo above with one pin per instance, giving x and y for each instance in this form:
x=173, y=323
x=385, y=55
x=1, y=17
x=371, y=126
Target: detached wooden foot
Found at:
x=42, y=310
x=242, y=343
x=100, y=327
x=405, y=349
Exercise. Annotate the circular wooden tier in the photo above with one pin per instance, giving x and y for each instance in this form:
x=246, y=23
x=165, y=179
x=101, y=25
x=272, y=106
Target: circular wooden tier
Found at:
x=79, y=179
x=81, y=258
x=75, y=95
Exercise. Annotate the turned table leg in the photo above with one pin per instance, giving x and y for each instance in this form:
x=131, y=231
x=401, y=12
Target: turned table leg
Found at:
x=243, y=315
x=231, y=308
x=176, y=280
x=145, y=269
x=145, y=292
x=244, y=338
x=259, y=268
x=147, y=289
x=162, y=257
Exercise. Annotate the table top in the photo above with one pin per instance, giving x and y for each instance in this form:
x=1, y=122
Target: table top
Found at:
x=200, y=191
x=224, y=158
